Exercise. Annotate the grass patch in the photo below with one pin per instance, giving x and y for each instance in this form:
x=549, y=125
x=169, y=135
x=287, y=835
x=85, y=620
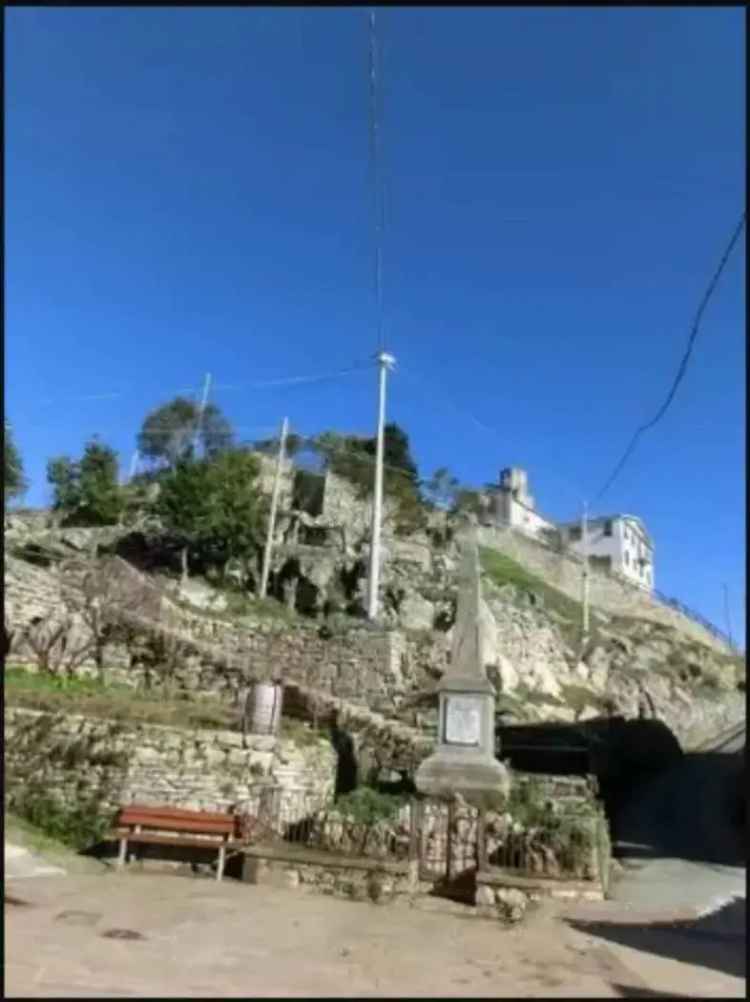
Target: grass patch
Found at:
x=35, y=691
x=240, y=605
x=296, y=731
x=20, y=831
x=55, y=824
x=502, y=570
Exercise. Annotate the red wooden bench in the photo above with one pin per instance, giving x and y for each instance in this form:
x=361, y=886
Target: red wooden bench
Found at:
x=149, y=825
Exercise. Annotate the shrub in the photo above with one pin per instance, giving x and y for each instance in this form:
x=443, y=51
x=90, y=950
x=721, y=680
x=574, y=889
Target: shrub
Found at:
x=366, y=806
x=77, y=826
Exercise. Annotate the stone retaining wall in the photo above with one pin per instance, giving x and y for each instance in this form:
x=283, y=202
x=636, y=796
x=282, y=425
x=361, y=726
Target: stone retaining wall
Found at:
x=563, y=571
x=80, y=760
x=330, y=873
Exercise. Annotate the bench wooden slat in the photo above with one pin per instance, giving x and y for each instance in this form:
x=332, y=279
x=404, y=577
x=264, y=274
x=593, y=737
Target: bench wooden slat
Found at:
x=167, y=826
x=194, y=843
x=195, y=827
x=177, y=812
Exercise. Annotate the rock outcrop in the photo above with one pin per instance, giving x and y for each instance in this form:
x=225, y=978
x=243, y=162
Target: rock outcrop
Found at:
x=631, y=666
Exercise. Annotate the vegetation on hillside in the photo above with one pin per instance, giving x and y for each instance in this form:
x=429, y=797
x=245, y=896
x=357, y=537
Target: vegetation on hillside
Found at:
x=170, y=433
x=86, y=491
x=14, y=481
x=215, y=508
x=90, y=697
x=502, y=570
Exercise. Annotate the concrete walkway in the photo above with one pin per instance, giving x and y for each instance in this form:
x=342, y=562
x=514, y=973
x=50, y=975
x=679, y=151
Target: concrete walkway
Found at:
x=148, y=934
x=20, y=863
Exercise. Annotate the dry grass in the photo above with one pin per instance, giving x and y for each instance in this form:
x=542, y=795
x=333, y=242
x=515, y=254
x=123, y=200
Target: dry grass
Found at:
x=35, y=691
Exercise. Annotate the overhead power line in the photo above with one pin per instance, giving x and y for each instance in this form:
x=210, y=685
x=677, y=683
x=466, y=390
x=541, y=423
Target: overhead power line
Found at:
x=683, y=363
x=262, y=384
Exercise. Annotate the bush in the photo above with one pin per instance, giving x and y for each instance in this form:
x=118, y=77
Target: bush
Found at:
x=367, y=807
x=78, y=827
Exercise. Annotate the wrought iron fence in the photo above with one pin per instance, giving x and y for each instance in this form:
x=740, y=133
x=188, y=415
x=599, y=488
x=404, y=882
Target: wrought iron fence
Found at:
x=567, y=845
x=306, y=819
x=449, y=841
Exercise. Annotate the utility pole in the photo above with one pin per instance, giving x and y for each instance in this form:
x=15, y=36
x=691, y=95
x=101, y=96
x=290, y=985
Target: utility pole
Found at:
x=585, y=574
x=204, y=401
x=274, y=506
x=726, y=614
x=385, y=363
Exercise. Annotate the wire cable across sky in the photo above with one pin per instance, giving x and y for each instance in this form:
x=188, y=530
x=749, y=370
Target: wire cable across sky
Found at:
x=682, y=368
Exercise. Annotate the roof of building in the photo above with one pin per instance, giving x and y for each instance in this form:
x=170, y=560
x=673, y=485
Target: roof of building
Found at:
x=621, y=516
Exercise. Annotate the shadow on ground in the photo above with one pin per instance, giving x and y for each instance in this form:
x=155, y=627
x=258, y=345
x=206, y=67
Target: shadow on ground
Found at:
x=633, y=992
x=716, y=941
x=688, y=812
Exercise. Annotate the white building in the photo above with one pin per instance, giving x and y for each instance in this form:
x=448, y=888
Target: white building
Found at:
x=618, y=543
x=514, y=506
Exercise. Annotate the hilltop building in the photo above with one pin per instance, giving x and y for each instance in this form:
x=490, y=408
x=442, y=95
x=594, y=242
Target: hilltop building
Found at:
x=617, y=543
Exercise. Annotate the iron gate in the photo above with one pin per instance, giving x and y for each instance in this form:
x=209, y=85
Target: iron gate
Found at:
x=446, y=838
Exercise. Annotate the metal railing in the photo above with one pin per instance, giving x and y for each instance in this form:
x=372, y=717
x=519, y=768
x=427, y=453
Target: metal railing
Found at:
x=685, y=610
x=447, y=840
x=309, y=820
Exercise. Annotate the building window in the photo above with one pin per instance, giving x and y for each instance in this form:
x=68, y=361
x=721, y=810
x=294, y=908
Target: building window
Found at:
x=608, y=528
x=575, y=533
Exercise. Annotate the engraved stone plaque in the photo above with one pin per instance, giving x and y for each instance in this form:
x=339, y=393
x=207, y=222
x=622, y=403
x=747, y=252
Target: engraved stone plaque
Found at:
x=463, y=720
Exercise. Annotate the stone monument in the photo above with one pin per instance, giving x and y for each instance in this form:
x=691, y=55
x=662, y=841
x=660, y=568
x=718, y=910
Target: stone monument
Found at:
x=464, y=761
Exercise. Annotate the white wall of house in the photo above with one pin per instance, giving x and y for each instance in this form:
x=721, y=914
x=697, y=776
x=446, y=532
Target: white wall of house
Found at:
x=623, y=540
x=514, y=506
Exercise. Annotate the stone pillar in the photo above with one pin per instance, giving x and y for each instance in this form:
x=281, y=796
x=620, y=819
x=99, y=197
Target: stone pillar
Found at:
x=464, y=761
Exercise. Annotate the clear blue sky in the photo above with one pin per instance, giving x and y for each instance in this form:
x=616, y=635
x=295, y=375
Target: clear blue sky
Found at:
x=187, y=192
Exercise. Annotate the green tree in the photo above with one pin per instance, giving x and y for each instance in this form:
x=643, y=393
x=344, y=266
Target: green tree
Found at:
x=14, y=482
x=468, y=500
x=214, y=506
x=236, y=507
x=353, y=458
x=86, y=492
x=442, y=489
x=183, y=505
x=168, y=433
x=396, y=450
x=101, y=495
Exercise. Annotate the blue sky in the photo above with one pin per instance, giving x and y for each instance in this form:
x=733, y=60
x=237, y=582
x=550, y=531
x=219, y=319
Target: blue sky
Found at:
x=188, y=191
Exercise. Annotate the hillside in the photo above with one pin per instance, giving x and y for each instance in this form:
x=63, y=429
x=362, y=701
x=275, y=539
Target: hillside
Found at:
x=631, y=666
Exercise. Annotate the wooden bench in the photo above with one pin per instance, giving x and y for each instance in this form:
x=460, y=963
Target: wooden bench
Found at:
x=174, y=826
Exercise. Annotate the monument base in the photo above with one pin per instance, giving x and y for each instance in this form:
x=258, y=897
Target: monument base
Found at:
x=482, y=781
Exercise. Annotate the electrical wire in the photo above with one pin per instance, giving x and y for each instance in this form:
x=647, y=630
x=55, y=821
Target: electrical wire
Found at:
x=682, y=368
x=358, y=366
x=410, y=375
x=311, y=443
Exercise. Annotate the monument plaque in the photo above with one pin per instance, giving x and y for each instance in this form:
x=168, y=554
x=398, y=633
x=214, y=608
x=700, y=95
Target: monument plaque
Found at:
x=463, y=720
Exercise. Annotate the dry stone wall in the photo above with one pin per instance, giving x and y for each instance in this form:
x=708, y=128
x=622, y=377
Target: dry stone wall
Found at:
x=80, y=760
x=563, y=571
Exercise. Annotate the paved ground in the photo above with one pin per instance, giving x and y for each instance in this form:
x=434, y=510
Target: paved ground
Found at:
x=93, y=933
x=197, y=938
x=678, y=839
x=20, y=862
